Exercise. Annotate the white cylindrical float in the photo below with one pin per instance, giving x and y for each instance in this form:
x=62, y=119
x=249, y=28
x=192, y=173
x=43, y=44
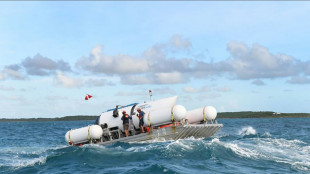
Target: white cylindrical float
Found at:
x=164, y=115
x=83, y=134
x=198, y=115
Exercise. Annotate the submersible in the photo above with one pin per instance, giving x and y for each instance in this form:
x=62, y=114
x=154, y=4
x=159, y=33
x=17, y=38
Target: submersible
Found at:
x=163, y=120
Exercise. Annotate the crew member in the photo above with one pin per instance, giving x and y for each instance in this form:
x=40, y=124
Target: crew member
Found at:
x=125, y=119
x=141, y=122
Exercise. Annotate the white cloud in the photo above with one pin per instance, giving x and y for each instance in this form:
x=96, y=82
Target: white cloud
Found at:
x=155, y=78
x=13, y=73
x=258, y=82
x=126, y=93
x=98, y=82
x=55, y=98
x=209, y=96
x=170, y=78
x=66, y=81
x=257, y=62
x=179, y=42
x=1, y=76
x=190, y=89
x=299, y=80
x=98, y=62
x=136, y=79
x=145, y=92
x=164, y=90
x=154, y=66
x=223, y=89
x=42, y=66
x=4, y=88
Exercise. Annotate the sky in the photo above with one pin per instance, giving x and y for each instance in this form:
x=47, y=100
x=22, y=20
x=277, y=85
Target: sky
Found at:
x=235, y=56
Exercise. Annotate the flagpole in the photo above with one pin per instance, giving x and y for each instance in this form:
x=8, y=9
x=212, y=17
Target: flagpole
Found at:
x=150, y=93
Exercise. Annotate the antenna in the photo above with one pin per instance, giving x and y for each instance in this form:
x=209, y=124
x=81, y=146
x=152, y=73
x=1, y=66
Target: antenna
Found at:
x=150, y=92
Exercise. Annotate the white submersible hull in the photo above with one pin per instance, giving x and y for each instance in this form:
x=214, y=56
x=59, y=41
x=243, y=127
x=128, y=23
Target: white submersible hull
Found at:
x=163, y=120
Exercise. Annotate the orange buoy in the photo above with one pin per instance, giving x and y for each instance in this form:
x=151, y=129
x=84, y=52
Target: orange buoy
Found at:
x=147, y=129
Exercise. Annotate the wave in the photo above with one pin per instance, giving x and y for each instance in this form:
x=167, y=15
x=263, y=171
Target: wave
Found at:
x=247, y=131
x=19, y=157
x=229, y=151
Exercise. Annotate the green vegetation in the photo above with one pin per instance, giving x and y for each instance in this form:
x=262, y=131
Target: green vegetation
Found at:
x=263, y=114
x=244, y=114
x=66, y=118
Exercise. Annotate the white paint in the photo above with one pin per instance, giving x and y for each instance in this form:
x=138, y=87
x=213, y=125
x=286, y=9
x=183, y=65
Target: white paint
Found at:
x=196, y=115
x=81, y=135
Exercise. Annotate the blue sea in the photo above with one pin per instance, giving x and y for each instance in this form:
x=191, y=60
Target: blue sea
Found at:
x=279, y=145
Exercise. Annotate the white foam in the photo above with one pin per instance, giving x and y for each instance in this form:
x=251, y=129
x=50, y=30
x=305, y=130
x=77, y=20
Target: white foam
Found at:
x=292, y=152
x=180, y=143
x=18, y=156
x=215, y=140
x=18, y=163
x=247, y=131
x=267, y=134
x=145, y=148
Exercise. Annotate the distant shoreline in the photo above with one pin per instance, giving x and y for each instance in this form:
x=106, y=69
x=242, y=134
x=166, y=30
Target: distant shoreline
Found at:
x=244, y=114
x=66, y=118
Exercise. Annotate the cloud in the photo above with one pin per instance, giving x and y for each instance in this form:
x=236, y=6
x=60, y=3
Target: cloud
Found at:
x=98, y=62
x=15, y=98
x=156, y=65
x=43, y=66
x=68, y=82
x=299, y=80
x=145, y=92
x=209, y=96
x=152, y=67
x=126, y=93
x=98, y=82
x=170, y=78
x=164, y=90
x=4, y=88
x=1, y=76
x=14, y=72
x=258, y=82
x=257, y=62
x=136, y=79
x=154, y=78
x=189, y=89
x=223, y=89
x=180, y=43
x=55, y=98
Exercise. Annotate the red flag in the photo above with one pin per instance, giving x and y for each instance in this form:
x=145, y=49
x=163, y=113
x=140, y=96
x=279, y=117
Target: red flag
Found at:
x=150, y=92
x=88, y=96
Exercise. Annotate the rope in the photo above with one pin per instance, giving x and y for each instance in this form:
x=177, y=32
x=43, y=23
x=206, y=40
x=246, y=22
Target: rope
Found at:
x=88, y=133
x=172, y=119
x=148, y=119
x=69, y=136
x=204, y=115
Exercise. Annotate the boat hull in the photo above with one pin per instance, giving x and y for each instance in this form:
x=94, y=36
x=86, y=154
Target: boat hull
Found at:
x=171, y=133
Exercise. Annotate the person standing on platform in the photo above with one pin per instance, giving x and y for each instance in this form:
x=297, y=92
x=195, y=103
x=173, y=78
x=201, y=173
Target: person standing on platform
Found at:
x=125, y=119
x=141, y=122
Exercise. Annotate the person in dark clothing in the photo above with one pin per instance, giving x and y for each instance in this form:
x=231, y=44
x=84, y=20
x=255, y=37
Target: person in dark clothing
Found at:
x=141, y=122
x=125, y=119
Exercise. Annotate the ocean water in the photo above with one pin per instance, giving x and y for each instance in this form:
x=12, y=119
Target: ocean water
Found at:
x=242, y=146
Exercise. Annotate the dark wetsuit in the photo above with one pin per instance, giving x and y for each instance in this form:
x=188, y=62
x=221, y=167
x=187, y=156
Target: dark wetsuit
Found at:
x=141, y=121
x=125, y=119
